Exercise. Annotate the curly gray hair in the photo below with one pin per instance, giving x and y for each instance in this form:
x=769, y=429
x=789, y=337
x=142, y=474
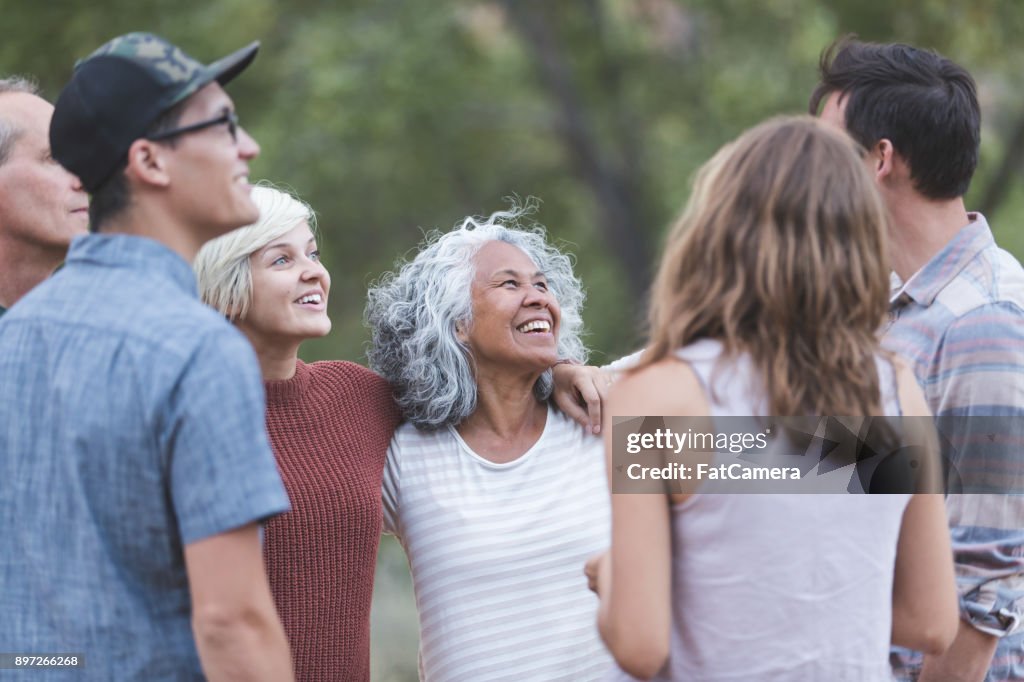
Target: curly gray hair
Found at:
x=413, y=313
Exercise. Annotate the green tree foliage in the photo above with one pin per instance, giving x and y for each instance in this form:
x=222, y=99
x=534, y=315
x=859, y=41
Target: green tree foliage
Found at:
x=396, y=117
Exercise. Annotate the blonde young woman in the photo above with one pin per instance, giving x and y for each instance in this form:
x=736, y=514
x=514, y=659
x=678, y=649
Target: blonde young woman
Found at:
x=329, y=425
x=767, y=302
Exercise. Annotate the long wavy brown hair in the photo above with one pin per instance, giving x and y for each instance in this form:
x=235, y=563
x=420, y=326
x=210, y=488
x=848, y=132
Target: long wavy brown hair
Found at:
x=780, y=253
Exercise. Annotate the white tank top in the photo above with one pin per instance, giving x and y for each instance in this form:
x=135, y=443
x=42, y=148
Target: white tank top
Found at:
x=780, y=587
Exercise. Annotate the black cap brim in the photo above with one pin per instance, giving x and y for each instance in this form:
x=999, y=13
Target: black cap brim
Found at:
x=224, y=70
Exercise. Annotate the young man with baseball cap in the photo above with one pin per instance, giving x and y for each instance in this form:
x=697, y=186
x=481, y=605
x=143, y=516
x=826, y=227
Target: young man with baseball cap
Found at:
x=135, y=462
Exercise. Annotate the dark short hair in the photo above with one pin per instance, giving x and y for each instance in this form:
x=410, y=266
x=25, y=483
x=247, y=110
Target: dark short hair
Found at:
x=923, y=103
x=113, y=196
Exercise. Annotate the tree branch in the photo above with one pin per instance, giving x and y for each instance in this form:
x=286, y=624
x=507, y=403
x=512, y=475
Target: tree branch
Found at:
x=618, y=208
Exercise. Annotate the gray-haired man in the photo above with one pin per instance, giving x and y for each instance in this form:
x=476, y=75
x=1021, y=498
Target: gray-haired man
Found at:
x=42, y=206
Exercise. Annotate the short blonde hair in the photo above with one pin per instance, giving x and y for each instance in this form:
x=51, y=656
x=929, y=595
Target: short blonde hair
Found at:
x=222, y=265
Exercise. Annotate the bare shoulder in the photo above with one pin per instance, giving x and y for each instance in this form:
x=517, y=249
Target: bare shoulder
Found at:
x=666, y=387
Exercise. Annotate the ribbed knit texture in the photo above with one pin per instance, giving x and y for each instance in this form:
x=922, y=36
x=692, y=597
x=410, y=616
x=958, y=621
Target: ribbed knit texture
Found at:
x=330, y=426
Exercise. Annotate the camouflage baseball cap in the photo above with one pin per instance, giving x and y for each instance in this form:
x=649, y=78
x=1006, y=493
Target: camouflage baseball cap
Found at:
x=117, y=92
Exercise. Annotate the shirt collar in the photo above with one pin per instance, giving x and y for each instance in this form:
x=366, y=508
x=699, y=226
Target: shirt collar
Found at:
x=135, y=253
x=925, y=284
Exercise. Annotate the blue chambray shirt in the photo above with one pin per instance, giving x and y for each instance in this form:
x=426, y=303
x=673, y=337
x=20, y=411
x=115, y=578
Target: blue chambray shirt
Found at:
x=131, y=424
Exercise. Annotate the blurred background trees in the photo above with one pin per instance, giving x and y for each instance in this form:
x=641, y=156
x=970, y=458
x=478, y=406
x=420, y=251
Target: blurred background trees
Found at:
x=393, y=117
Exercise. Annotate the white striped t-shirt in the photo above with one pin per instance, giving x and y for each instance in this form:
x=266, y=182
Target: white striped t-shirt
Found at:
x=497, y=553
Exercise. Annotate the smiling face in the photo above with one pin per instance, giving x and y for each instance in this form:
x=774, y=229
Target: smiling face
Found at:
x=289, y=291
x=40, y=202
x=210, y=168
x=515, y=316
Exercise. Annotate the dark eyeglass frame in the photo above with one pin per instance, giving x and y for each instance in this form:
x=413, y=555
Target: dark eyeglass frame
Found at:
x=228, y=117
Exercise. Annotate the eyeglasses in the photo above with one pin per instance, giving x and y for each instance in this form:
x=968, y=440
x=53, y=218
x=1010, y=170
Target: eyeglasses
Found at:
x=228, y=117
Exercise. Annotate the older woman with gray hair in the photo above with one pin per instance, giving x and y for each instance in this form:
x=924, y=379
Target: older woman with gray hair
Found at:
x=497, y=498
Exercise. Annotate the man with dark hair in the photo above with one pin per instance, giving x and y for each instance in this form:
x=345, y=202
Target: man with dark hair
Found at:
x=42, y=206
x=135, y=462
x=957, y=314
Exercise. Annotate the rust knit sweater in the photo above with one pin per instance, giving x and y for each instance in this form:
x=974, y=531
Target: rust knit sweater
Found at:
x=330, y=426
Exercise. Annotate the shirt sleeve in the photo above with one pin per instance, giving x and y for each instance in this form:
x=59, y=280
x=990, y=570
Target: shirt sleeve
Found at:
x=222, y=471
x=978, y=386
x=624, y=363
x=390, y=489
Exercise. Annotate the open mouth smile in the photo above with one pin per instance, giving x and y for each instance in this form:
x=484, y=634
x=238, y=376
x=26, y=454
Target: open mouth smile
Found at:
x=534, y=327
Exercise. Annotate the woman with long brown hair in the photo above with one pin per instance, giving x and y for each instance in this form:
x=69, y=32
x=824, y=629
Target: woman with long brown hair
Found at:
x=767, y=302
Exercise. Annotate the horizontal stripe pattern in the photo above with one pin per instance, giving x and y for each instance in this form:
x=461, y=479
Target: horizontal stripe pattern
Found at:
x=960, y=323
x=496, y=553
